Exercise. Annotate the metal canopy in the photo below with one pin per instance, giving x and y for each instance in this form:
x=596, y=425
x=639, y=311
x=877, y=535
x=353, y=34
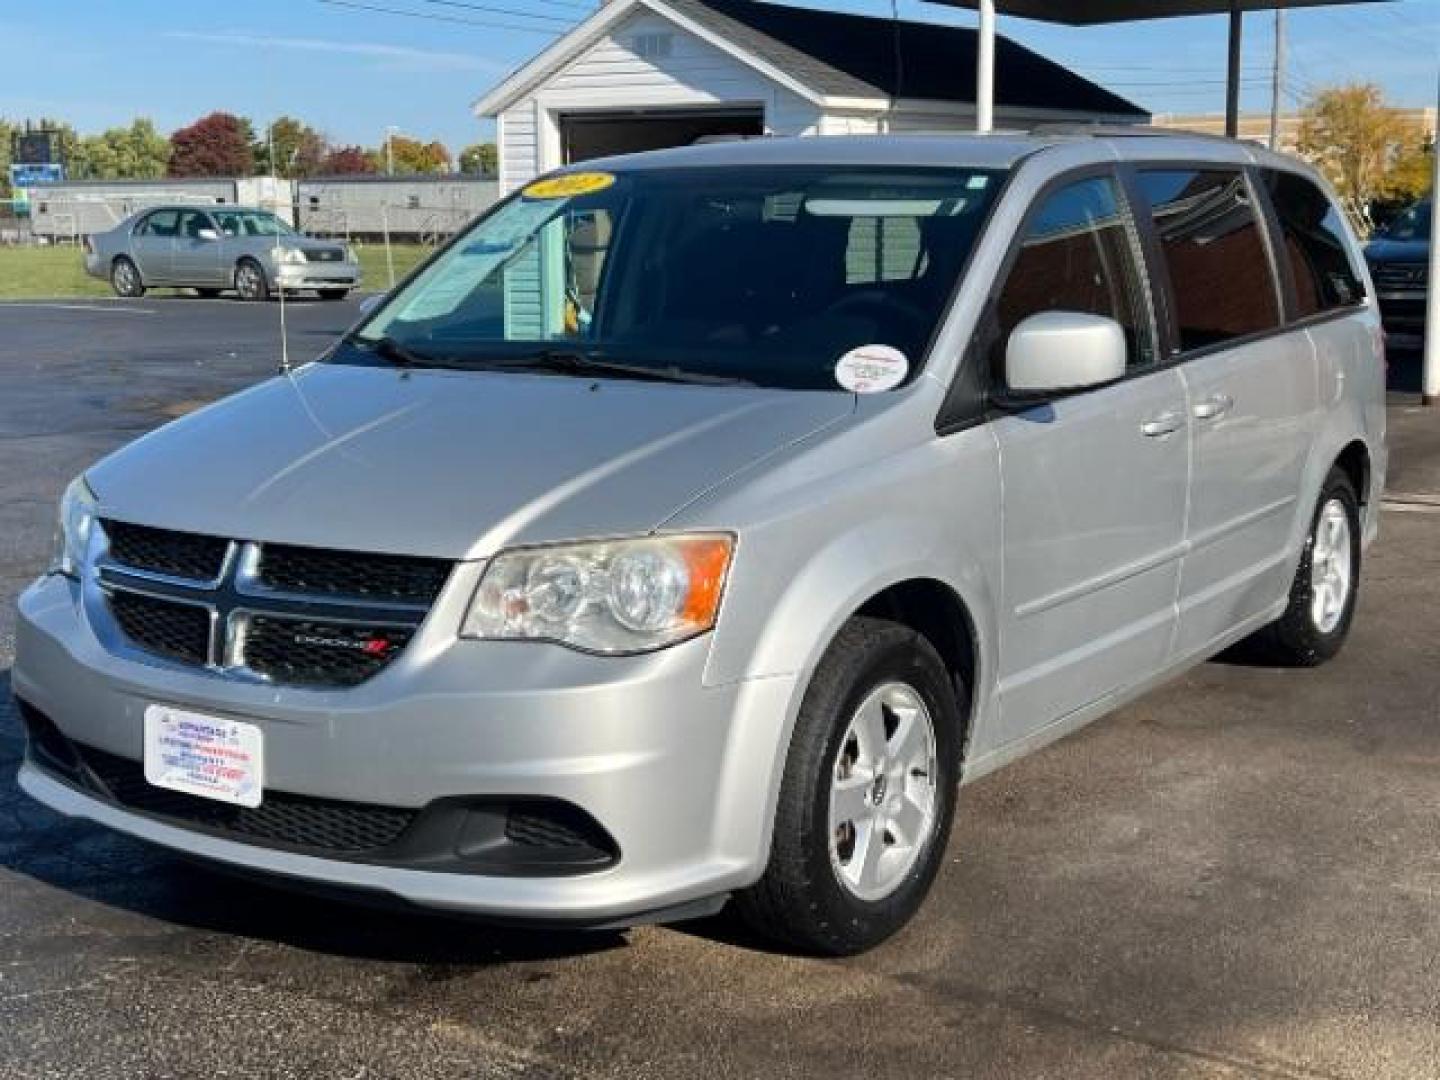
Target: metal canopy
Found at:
x=1095, y=12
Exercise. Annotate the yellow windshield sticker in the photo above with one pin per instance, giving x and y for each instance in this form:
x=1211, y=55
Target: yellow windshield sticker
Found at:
x=570, y=186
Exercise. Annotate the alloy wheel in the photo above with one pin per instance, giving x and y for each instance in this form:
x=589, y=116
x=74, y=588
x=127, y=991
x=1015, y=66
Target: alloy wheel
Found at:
x=1331, y=567
x=883, y=795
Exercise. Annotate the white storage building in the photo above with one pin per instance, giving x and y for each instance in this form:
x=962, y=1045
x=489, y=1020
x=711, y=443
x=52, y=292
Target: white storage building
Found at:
x=646, y=74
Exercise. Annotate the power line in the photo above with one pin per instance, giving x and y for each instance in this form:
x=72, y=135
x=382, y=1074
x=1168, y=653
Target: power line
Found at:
x=482, y=23
x=491, y=10
x=570, y=5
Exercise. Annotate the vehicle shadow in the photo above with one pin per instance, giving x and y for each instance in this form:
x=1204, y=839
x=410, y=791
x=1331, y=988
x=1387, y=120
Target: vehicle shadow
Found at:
x=105, y=868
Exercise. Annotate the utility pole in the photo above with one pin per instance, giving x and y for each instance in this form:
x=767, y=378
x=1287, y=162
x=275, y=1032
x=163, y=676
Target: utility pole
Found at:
x=1232, y=78
x=270, y=138
x=985, y=70
x=389, y=151
x=1430, y=372
x=1277, y=84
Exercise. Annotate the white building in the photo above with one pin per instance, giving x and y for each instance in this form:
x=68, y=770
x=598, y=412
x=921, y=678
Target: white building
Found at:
x=645, y=74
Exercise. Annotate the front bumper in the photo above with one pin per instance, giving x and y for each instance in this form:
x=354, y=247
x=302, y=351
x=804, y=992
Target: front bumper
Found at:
x=310, y=275
x=680, y=775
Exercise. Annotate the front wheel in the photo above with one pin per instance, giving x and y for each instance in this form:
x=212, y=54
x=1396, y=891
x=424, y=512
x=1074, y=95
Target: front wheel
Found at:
x=250, y=281
x=125, y=279
x=867, y=798
x=1326, y=585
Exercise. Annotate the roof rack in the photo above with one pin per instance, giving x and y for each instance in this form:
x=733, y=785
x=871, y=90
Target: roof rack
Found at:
x=1132, y=131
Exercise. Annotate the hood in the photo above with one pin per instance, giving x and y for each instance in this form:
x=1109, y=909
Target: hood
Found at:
x=448, y=464
x=1382, y=250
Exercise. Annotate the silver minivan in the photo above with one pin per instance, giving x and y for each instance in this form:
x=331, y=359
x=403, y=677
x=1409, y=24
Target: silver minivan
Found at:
x=696, y=523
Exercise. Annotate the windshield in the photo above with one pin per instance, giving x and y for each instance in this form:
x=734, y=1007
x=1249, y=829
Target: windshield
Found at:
x=251, y=223
x=767, y=275
x=1412, y=224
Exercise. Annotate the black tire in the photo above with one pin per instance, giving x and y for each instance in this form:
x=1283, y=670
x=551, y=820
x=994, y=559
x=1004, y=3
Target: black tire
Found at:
x=1297, y=638
x=208, y=294
x=334, y=294
x=125, y=279
x=250, y=281
x=801, y=901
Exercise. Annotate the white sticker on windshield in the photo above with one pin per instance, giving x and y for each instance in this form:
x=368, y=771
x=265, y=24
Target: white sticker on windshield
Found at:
x=872, y=369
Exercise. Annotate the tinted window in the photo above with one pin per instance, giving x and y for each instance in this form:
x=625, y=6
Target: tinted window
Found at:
x=769, y=274
x=242, y=223
x=192, y=223
x=1215, y=252
x=1325, y=278
x=1080, y=253
x=162, y=223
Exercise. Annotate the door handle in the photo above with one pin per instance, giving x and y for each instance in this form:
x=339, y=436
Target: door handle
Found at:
x=1214, y=407
x=1167, y=423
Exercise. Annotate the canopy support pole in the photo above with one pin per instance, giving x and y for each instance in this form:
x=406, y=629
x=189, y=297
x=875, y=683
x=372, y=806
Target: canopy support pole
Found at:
x=985, y=70
x=1430, y=376
x=1232, y=78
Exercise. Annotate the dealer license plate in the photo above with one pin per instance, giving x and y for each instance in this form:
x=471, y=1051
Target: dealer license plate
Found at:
x=208, y=756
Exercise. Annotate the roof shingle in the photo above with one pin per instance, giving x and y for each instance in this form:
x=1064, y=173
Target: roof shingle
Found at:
x=842, y=55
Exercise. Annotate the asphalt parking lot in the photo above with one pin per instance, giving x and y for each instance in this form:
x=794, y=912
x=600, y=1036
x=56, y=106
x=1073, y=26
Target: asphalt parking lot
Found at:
x=1237, y=876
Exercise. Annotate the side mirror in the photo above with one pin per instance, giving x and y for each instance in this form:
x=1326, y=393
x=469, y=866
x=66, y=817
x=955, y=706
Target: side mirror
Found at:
x=207, y=234
x=370, y=303
x=1056, y=351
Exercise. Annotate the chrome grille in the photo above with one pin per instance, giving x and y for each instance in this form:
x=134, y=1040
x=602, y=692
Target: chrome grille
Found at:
x=271, y=613
x=331, y=255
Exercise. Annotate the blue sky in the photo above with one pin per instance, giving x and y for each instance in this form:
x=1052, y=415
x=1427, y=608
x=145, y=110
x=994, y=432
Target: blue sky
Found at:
x=352, y=72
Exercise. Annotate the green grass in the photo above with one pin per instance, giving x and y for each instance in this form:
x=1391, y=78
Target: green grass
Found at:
x=29, y=273
x=58, y=273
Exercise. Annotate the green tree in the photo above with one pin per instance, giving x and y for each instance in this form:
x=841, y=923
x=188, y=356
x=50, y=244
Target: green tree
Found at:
x=1363, y=146
x=7, y=129
x=137, y=152
x=482, y=158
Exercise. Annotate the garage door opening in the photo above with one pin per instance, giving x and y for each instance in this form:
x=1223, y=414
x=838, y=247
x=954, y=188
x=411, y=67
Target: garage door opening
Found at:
x=592, y=135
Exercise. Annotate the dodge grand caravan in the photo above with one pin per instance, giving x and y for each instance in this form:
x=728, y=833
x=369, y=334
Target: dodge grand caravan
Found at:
x=696, y=523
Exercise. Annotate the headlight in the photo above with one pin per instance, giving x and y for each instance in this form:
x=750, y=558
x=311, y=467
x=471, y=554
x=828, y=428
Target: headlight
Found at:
x=624, y=596
x=72, y=530
x=289, y=256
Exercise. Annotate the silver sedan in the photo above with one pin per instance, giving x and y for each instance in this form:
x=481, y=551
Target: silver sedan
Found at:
x=250, y=251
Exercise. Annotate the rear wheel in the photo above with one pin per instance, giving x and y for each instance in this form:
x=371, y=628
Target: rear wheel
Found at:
x=868, y=795
x=250, y=281
x=125, y=278
x=334, y=294
x=1326, y=586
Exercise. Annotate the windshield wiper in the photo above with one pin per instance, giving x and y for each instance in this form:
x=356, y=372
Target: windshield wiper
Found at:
x=401, y=355
x=578, y=362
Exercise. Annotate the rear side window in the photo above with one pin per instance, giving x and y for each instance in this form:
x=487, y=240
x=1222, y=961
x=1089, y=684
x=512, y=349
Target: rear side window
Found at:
x=1214, y=250
x=1325, y=278
x=1080, y=253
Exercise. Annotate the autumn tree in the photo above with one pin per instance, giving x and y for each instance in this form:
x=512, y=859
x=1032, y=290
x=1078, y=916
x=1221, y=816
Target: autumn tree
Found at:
x=411, y=156
x=347, y=161
x=299, y=148
x=1363, y=146
x=137, y=152
x=216, y=145
x=482, y=158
